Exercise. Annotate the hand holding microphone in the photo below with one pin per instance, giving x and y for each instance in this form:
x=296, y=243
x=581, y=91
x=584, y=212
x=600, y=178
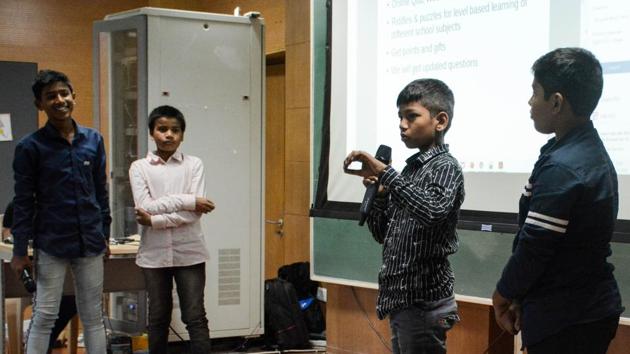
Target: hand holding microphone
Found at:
x=23, y=267
x=27, y=280
x=371, y=167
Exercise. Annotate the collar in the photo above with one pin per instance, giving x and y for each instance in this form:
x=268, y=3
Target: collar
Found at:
x=423, y=157
x=155, y=159
x=52, y=132
x=572, y=135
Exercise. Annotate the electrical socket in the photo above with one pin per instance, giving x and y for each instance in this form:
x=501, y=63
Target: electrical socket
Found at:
x=322, y=294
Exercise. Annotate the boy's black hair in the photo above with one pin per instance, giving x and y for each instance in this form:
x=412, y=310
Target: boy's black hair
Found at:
x=47, y=77
x=432, y=94
x=573, y=72
x=168, y=112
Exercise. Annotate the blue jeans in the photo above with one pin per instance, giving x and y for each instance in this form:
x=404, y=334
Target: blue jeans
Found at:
x=88, y=285
x=421, y=328
x=67, y=310
x=191, y=282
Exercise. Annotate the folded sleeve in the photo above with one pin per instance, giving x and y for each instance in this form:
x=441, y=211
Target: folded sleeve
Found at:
x=174, y=210
x=156, y=206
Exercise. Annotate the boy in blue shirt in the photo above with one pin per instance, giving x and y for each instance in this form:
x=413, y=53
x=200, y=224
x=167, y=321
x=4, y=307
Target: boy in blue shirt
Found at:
x=414, y=216
x=61, y=202
x=557, y=286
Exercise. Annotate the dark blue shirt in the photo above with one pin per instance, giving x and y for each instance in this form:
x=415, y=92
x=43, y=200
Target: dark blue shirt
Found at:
x=61, y=199
x=558, y=269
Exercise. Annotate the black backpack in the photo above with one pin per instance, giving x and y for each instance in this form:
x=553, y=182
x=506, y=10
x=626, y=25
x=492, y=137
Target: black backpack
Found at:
x=298, y=274
x=284, y=321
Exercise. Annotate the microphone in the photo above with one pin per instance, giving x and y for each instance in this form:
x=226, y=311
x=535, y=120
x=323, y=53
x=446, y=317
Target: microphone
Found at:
x=27, y=280
x=384, y=155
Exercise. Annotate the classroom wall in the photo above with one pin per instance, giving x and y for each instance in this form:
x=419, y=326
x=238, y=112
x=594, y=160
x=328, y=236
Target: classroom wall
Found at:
x=271, y=10
x=297, y=134
x=57, y=34
x=352, y=326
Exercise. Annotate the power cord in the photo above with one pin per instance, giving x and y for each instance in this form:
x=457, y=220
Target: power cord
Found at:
x=243, y=346
x=494, y=342
x=109, y=322
x=176, y=333
x=365, y=314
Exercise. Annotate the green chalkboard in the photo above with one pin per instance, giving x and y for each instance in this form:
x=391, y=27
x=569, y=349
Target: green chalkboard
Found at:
x=345, y=253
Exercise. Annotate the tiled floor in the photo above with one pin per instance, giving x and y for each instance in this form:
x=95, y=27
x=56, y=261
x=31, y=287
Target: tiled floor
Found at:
x=239, y=345
x=250, y=351
x=223, y=347
x=219, y=346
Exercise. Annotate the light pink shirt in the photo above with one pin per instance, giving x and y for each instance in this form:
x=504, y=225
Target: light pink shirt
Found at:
x=167, y=191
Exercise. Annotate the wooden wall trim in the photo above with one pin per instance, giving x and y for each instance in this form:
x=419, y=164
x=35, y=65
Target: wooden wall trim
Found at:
x=276, y=57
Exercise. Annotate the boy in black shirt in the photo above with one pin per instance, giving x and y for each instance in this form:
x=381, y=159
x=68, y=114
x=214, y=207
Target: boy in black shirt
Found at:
x=558, y=277
x=61, y=203
x=414, y=217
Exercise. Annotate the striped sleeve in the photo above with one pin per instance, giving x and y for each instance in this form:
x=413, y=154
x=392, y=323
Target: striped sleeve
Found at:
x=378, y=218
x=428, y=204
x=546, y=222
x=553, y=194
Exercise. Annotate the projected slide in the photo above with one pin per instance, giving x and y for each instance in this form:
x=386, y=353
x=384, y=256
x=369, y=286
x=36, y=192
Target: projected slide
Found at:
x=484, y=51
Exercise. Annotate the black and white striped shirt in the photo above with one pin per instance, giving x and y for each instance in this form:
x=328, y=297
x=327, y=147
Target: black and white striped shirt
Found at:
x=416, y=223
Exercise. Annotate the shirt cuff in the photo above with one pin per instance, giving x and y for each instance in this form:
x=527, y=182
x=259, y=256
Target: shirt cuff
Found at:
x=158, y=222
x=388, y=176
x=20, y=246
x=380, y=203
x=106, y=231
x=503, y=290
x=190, y=202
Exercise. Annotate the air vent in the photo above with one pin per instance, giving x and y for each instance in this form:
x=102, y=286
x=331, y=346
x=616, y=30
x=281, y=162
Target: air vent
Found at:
x=229, y=276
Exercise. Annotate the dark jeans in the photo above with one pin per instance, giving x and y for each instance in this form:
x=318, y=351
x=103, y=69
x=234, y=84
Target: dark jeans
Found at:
x=421, y=328
x=584, y=338
x=191, y=282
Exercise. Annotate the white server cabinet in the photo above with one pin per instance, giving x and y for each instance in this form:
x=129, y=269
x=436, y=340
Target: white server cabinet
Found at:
x=211, y=67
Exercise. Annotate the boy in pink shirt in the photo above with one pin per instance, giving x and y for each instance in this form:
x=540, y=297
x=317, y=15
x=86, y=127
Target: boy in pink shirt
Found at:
x=168, y=190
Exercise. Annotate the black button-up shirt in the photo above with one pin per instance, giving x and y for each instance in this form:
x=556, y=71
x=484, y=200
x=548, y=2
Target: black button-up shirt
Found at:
x=416, y=224
x=61, y=199
x=567, y=215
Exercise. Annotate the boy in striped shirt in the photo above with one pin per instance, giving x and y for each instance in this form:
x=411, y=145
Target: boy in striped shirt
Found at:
x=414, y=216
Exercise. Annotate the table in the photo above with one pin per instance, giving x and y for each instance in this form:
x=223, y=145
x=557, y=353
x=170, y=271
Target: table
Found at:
x=120, y=274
